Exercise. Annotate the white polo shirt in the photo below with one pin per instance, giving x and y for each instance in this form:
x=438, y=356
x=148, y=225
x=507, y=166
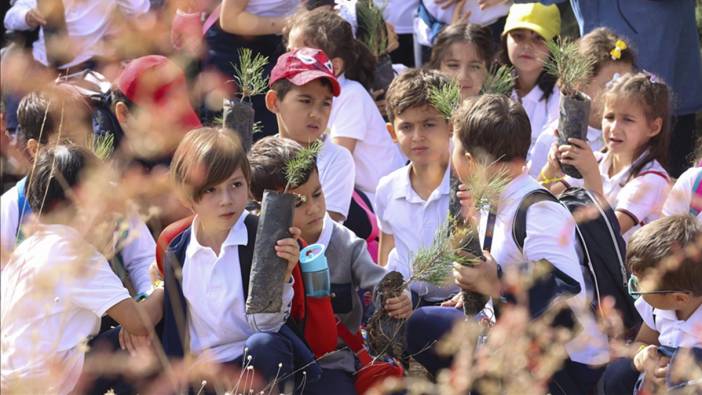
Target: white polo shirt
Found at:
x=680, y=198
x=538, y=155
x=541, y=112
x=672, y=332
x=138, y=251
x=550, y=236
x=641, y=198
x=213, y=289
x=55, y=288
x=399, y=13
x=413, y=223
x=337, y=175
x=355, y=115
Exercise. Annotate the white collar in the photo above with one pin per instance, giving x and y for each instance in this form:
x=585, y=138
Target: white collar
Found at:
x=405, y=191
x=327, y=230
x=237, y=236
x=691, y=325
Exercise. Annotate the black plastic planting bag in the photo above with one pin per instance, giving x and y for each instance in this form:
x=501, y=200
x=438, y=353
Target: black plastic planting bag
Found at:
x=267, y=269
x=572, y=123
x=473, y=302
x=239, y=117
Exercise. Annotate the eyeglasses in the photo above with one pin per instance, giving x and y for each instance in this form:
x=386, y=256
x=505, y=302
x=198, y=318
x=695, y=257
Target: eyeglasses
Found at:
x=633, y=286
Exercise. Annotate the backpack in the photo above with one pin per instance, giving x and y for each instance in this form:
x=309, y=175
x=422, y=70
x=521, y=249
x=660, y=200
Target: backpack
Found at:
x=97, y=91
x=601, y=243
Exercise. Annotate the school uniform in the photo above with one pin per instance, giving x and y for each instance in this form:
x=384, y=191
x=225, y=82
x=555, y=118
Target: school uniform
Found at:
x=640, y=197
x=136, y=255
x=538, y=154
x=431, y=16
x=413, y=223
x=336, y=175
x=683, y=197
x=621, y=376
x=350, y=269
x=355, y=115
x=208, y=292
x=541, y=111
x=550, y=236
x=56, y=287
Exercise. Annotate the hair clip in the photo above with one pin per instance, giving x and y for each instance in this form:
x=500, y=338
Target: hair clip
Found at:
x=651, y=77
x=616, y=52
x=614, y=79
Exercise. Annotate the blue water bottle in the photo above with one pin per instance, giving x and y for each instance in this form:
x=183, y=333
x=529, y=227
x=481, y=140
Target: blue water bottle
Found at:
x=315, y=271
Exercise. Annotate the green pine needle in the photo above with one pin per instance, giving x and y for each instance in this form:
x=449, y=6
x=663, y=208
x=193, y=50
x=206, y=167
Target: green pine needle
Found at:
x=249, y=74
x=434, y=264
x=499, y=81
x=446, y=98
x=567, y=63
x=257, y=127
x=104, y=145
x=486, y=182
x=371, y=27
x=300, y=165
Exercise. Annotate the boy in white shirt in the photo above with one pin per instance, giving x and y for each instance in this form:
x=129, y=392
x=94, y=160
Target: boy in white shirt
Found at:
x=302, y=88
x=663, y=257
x=57, y=286
x=411, y=203
x=207, y=266
x=499, y=127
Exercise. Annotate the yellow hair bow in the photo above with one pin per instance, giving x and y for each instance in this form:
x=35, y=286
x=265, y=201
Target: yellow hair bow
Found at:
x=616, y=52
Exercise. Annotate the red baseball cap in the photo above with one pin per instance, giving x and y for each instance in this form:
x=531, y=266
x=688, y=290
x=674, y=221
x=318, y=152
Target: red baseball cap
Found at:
x=155, y=79
x=304, y=65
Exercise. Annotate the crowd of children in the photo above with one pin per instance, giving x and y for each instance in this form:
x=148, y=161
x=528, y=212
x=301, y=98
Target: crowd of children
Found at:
x=86, y=282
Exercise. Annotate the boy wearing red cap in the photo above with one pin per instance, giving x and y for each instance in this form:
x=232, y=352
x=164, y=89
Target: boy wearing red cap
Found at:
x=303, y=86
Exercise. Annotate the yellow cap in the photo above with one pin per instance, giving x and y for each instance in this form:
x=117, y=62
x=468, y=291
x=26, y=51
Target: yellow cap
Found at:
x=545, y=20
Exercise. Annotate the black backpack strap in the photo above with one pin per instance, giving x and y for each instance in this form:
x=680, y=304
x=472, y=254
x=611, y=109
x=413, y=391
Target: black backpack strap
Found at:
x=519, y=226
x=246, y=252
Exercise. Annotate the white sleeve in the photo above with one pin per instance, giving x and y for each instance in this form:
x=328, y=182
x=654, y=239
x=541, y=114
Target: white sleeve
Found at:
x=272, y=322
x=98, y=289
x=539, y=152
x=338, y=181
x=646, y=312
x=134, y=7
x=680, y=198
x=351, y=119
x=9, y=220
x=643, y=197
x=551, y=236
x=380, y=203
x=139, y=254
x=15, y=18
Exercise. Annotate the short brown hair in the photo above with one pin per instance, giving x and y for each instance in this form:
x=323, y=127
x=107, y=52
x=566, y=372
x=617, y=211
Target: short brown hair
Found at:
x=477, y=35
x=598, y=45
x=268, y=159
x=494, y=125
x=207, y=157
x=411, y=89
x=674, y=236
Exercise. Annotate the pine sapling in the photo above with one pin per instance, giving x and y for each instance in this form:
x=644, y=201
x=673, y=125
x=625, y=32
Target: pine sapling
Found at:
x=500, y=81
x=249, y=74
x=446, y=98
x=568, y=64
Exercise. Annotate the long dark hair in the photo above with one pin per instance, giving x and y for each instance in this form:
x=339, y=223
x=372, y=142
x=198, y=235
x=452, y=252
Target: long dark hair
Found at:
x=655, y=98
x=545, y=82
x=326, y=30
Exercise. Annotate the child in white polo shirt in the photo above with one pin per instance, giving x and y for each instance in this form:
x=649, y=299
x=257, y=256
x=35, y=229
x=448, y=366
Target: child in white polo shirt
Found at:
x=629, y=172
x=56, y=286
x=498, y=127
x=686, y=195
x=669, y=299
x=412, y=202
